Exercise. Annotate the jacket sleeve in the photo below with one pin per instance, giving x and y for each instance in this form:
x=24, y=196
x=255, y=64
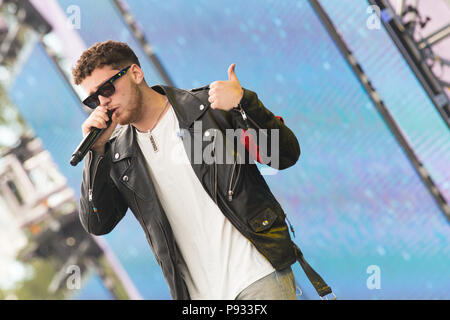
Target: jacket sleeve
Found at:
x=265, y=135
x=101, y=204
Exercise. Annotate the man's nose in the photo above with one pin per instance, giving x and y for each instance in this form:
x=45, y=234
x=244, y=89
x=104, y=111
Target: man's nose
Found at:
x=104, y=101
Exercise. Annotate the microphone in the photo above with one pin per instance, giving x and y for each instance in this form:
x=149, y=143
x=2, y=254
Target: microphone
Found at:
x=88, y=141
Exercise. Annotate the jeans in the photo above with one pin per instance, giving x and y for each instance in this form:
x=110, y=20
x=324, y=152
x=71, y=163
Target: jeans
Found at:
x=279, y=285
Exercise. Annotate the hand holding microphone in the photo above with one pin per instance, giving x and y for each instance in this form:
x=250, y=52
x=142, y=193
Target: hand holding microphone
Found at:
x=97, y=129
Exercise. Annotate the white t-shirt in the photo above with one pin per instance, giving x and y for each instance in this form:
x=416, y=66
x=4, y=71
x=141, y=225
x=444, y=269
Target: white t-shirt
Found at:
x=219, y=261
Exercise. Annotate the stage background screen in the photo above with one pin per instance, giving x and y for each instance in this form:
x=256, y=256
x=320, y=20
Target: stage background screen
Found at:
x=353, y=197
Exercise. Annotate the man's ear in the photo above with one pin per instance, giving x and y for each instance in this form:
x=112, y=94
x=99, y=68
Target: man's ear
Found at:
x=137, y=74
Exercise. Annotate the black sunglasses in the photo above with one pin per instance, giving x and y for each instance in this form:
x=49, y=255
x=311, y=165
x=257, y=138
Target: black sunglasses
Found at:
x=106, y=90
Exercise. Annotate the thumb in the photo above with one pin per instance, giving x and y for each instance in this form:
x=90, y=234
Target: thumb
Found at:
x=231, y=73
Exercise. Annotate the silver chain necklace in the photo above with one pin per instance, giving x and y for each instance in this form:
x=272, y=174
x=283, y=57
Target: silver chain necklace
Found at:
x=152, y=139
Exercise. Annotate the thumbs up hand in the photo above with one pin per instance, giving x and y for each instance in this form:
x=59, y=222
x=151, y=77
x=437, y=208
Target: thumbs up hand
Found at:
x=225, y=95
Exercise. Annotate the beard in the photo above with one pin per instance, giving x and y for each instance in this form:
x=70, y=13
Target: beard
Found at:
x=132, y=112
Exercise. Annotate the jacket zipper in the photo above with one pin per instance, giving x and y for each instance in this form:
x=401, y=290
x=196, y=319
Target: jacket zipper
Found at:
x=91, y=185
x=215, y=166
x=230, y=186
x=89, y=181
x=245, y=117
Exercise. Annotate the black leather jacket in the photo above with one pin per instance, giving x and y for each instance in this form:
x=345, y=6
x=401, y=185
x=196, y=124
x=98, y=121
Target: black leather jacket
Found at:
x=119, y=180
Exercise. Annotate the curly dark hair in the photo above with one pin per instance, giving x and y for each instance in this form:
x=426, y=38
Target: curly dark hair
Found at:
x=117, y=55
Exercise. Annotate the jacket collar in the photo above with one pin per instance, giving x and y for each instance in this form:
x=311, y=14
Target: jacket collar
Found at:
x=187, y=108
x=186, y=105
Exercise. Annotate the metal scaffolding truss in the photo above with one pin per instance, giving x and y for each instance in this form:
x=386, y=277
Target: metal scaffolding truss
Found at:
x=381, y=107
x=19, y=20
x=409, y=25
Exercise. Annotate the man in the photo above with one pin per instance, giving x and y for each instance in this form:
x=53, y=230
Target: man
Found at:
x=214, y=226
